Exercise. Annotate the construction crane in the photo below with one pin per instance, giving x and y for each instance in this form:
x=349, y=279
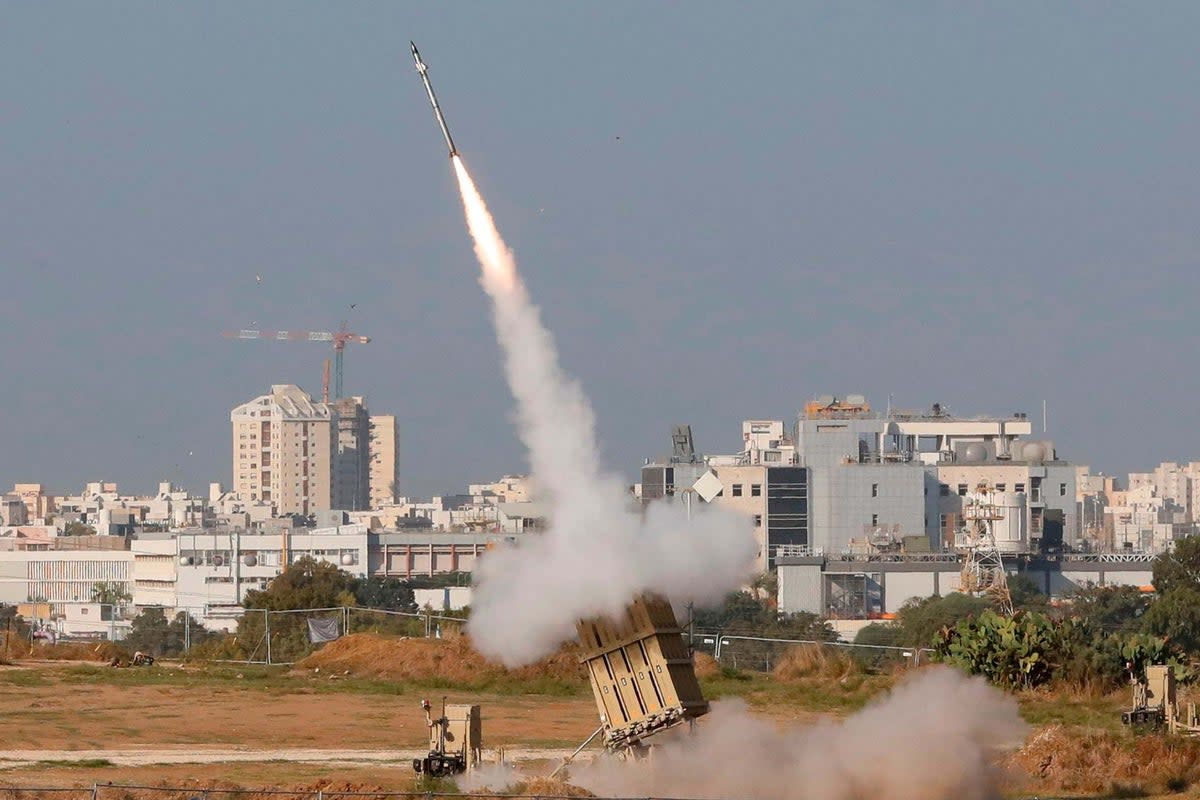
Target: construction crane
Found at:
x=340, y=338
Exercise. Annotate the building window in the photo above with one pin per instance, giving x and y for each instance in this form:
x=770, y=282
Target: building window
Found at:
x=758, y=520
x=962, y=490
x=1019, y=488
x=943, y=489
x=874, y=519
x=737, y=490
x=874, y=490
x=1000, y=487
x=1062, y=490
x=756, y=490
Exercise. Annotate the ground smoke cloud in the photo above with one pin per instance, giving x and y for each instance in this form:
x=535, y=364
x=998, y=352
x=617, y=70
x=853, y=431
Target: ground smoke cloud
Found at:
x=597, y=554
x=935, y=737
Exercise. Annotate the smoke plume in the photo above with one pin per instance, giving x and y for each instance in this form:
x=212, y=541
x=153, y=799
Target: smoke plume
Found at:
x=597, y=554
x=935, y=737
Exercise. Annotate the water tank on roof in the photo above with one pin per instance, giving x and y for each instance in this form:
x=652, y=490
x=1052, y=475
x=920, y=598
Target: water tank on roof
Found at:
x=347, y=559
x=974, y=453
x=186, y=561
x=250, y=560
x=1034, y=452
x=825, y=400
x=218, y=561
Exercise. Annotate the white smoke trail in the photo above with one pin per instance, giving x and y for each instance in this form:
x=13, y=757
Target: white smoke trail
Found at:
x=597, y=554
x=936, y=737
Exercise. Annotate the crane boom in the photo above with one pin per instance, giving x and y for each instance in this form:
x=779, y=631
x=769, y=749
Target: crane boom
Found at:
x=340, y=339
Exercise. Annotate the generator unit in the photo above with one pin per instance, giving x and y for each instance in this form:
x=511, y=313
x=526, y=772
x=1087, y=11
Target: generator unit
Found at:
x=1155, y=704
x=641, y=672
x=455, y=740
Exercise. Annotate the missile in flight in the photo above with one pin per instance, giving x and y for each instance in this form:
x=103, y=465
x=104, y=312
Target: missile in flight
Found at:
x=437, y=111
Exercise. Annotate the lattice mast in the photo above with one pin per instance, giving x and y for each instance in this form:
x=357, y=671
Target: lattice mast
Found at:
x=983, y=572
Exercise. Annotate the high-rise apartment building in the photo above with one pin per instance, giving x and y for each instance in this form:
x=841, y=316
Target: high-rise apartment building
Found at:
x=351, y=463
x=384, y=449
x=282, y=450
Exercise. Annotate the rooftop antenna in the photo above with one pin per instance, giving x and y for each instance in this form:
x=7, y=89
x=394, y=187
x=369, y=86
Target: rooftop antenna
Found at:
x=682, y=446
x=1043, y=416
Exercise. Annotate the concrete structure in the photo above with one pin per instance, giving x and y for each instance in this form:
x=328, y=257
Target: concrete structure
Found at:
x=13, y=510
x=39, y=505
x=58, y=577
x=404, y=555
x=866, y=588
x=509, y=489
x=211, y=570
x=774, y=496
x=351, y=470
x=1046, y=485
x=282, y=451
x=384, y=454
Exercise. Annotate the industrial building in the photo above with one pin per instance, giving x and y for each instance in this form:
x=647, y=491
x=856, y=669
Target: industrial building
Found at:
x=773, y=494
x=849, y=478
x=870, y=587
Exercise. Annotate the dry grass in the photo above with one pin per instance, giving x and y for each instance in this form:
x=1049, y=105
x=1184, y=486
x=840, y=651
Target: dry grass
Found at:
x=705, y=665
x=79, y=651
x=547, y=787
x=813, y=662
x=1063, y=759
x=451, y=660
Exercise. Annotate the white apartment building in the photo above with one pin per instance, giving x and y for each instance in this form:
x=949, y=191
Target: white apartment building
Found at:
x=209, y=572
x=383, y=448
x=282, y=451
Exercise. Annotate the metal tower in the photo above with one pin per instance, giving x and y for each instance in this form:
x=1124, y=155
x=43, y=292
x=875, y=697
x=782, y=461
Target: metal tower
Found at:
x=983, y=572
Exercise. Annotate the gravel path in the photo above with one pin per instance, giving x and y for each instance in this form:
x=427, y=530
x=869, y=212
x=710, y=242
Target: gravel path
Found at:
x=141, y=757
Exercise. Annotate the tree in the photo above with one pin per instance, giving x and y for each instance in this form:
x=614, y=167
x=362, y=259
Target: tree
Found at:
x=152, y=633
x=922, y=619
x=78, y=529
x=1026, y=595
x=1110, y=609
x=149, y=632
x=740, y=612
x=110, y=593
x=307, y=583
x=1175, y=616
x=878, y=633
x=13, y=629
x=390, y=594
x=1179, y=567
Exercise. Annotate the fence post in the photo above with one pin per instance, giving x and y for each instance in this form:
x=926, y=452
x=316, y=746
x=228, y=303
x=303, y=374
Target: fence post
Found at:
x=267, y=628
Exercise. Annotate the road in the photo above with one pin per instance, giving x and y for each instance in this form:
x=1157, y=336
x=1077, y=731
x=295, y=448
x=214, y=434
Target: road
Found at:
x=142, y=757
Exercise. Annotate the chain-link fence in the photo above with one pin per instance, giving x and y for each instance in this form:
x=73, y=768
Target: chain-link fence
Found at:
x=284, y=637
x=763, y=654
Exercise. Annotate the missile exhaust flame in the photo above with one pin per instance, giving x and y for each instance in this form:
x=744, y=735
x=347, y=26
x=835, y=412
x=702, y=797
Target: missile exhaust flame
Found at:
x=596, y=554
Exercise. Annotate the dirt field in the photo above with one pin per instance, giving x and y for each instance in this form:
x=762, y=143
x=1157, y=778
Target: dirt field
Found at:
x=72, y=724
x=71, y=707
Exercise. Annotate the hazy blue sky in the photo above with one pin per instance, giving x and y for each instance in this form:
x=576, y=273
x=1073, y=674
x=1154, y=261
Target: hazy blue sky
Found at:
x=979, y=204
